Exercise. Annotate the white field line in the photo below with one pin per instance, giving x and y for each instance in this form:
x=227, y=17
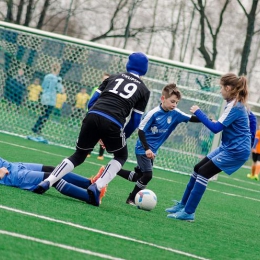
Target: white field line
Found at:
x=102, y=232
x=70, y=248
x=49, y=153
x=225, y=193
x=156, y=177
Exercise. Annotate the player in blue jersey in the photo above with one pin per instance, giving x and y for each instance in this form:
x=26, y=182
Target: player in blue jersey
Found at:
x=233, y=151
x=153, y=130
x=117, y=97
x=27, y=176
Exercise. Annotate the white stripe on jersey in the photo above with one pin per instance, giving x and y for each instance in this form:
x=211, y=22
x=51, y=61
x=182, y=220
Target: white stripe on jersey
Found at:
x=138, y=111
x=148, y=116
x=181, y=112
x=226, y=111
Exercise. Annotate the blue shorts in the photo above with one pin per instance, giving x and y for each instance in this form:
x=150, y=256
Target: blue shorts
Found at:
x=144, y=163
x=225, y=161
x=25, y=176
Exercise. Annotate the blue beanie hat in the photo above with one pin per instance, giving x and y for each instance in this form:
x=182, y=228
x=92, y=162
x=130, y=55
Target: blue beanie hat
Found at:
x=137, y=63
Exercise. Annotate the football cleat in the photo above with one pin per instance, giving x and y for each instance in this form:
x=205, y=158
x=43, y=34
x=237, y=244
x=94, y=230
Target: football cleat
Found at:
x=252, y=177
x=94, y=179
x=177, y=207
x=97, y=176
x=100, y=158
x=130, y=202
x=94, y=195
x=39, y=139
x=42, y=187
x=182, y=215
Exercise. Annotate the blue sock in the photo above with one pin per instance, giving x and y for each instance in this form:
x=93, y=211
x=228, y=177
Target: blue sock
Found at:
x=196, y=194
x=72, y=191
x=77, y=180
x=189, y=188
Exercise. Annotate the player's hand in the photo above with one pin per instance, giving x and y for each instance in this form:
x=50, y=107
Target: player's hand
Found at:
x=3, y=172
x=102, y=144
x=253, y=150
x=150, y=154
x=194, y=108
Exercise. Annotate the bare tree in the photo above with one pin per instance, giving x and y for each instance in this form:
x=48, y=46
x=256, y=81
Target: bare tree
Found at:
x=28, y=16
x=9, y=13
x=183, y=53
x=249, y=35
x=121, y=4
x=153, y=26
x=19, y=12
x=209, y=56
x=43, y=14
x=174, y=29
x=130, y=17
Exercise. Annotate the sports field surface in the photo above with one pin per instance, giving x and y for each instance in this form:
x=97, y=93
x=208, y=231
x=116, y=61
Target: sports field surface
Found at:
x=52, y=226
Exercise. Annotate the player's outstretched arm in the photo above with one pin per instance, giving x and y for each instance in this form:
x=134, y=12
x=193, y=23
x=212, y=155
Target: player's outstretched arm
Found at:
x=213, y=126
x=132, y=124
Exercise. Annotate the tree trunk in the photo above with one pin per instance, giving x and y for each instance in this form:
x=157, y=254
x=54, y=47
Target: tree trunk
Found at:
x=130, y=16
x=172, y=50
x=152, y=32
x=9, y=13
x=19, y=12
x=43, y=13
x=188, y=36
x=249, y=35
x=28, y=16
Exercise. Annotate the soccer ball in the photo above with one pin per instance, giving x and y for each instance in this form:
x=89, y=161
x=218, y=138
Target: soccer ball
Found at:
x=145, y=199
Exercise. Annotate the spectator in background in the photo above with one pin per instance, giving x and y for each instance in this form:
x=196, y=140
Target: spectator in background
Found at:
x=52, y=84
x=61, y=98
x=34, y=91
x=79, y=110
x=81, y=100
x=19, y=87
x=101, y=149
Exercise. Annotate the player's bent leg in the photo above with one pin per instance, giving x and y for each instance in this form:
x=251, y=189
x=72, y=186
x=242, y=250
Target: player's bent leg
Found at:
x=140, y=185
x=72, y=191
x=77, y=180
x=110, y=172
x=95, y=178
x=132, y=176
x=65, y=167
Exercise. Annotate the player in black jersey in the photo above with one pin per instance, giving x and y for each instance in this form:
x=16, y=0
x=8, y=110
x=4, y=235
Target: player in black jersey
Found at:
x=114, y=100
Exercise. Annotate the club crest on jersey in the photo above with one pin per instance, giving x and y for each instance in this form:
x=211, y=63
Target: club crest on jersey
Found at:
x=154, y=129
x=169, y=119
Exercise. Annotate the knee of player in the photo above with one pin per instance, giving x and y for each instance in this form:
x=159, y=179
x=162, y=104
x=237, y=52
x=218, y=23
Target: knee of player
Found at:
x=121, y=156
x=147, y=177
x=78, y=157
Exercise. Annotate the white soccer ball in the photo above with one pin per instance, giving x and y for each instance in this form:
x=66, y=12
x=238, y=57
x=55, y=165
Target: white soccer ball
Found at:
x=146, y=199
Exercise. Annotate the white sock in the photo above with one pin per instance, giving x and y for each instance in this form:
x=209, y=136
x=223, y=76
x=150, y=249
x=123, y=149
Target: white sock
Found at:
x=112, y=168
x=62, y=169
